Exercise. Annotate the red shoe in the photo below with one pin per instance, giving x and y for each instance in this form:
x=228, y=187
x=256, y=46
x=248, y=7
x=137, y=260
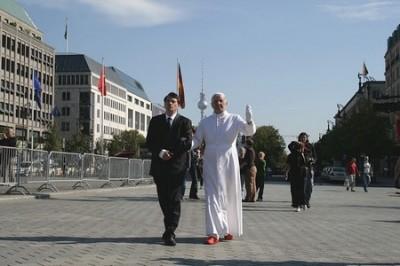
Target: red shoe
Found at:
x=228, y=237
x=211, y=240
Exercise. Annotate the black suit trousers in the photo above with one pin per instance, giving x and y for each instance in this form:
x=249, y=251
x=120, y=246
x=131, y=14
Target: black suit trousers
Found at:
x=169, y=196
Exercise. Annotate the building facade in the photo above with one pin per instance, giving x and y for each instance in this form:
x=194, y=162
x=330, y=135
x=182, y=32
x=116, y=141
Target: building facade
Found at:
x=82, y=108
x=23, y=53
x=371, y=91
x=390, y=102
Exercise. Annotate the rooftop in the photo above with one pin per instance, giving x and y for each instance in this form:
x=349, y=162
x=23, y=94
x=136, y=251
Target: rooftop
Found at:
x=16, y=10
x=81, y=63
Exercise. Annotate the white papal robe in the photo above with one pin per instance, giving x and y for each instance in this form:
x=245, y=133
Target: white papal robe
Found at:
x=221, y=174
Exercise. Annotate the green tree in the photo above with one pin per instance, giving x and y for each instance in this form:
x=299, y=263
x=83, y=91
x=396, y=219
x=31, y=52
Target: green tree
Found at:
x=268, y=140
x=78, y=143
x=129, y=141
x=52, y=140
x=363, y=133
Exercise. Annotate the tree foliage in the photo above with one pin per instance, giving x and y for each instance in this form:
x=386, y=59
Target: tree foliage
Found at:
x=128, y=141
x=363, y=133
x=78, y=143
x=268, y=140
x=52, y=141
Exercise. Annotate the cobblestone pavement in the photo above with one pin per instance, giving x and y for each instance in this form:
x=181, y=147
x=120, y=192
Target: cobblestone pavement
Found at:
x=124, y=226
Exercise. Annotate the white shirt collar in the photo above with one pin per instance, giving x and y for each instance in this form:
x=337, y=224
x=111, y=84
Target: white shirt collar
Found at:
x=172, y=116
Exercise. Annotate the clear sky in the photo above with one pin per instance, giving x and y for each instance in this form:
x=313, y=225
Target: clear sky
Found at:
x=293, y=61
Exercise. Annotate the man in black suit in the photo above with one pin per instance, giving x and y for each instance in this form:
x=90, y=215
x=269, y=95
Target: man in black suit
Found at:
x=169, y=138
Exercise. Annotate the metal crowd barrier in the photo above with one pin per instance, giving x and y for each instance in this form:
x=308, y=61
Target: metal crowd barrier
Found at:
x=23, y=166
x=95, y=168
x=62, y=167
x=146, y=171
x=8, y=166
x=119, y=169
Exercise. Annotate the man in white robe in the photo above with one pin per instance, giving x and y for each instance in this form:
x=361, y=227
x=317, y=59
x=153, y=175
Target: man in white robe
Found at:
x=221, y=175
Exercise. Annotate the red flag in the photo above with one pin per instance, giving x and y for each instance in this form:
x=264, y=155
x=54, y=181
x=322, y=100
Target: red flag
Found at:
x=180, y=88
x=102, y=82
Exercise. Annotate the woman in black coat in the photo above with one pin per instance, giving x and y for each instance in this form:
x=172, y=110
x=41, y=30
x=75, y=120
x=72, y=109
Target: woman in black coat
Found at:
x=296, y=174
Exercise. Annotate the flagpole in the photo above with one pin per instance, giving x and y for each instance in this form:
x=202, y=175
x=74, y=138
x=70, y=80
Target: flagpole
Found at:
x=32, y=104
x=66, y=35
x=102, y=105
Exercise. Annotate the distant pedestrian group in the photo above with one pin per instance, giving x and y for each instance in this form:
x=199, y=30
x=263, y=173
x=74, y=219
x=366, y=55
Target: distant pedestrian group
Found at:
x=353, y=173
x=300, y=172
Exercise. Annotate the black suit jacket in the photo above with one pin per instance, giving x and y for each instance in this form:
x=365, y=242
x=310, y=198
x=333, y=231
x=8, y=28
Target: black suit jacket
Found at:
x=177, y=139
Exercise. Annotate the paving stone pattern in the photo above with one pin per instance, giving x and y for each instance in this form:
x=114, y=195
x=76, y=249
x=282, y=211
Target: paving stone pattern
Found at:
x=124, y=226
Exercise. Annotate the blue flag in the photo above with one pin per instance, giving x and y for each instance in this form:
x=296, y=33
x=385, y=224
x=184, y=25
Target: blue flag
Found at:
x=55, y=112
x=38, y=90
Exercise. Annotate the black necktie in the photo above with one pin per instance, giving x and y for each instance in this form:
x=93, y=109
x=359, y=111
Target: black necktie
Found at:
x=169, y=121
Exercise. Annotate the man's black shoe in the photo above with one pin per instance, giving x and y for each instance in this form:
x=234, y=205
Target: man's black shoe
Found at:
x=170, y=240
x=194, y=197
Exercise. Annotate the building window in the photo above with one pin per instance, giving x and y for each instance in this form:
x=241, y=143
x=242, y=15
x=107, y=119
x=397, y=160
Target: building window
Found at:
x=130, y=118
x=142, y=122
x=65, y=111
x=137, y=120
x=64, y=126
x=66, y=96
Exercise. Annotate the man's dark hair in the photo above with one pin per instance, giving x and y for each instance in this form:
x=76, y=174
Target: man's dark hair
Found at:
x=171, y=95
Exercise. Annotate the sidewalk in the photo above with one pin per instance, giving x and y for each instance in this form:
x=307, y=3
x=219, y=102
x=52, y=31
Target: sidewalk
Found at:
x=124, y=226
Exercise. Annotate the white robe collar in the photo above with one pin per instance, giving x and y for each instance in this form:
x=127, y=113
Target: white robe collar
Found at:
x=221, y=115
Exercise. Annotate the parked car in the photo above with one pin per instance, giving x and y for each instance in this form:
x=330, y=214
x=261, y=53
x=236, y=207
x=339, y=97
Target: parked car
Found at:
x=334, y=173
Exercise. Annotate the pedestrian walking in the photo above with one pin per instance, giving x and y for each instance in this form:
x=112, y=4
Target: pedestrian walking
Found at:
x=296, y=173
x=366, y=173
x=250, y=172
x=242, y=152
x=352, y=173
x=261, y=165
x=169, y=139
x=310, y=158
x=221, y=175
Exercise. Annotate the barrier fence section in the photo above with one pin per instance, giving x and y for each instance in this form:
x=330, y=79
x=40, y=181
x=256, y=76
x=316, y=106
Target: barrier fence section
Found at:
x=95, y=168
x=20, y=166
x=146, y=170
x=8, y=158
x=63, y=167
x=134, y=172
x=119, y=169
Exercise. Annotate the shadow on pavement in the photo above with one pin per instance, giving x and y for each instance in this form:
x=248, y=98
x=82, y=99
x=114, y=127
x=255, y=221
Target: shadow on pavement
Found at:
x=265, y=209
x=370, y=206
x=66, y=240
x=107, y=199
x=387, y=221
x=184, y=261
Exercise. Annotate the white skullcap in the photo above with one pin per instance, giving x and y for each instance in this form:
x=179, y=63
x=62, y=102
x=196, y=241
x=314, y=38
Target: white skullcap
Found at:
x=221, y=94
